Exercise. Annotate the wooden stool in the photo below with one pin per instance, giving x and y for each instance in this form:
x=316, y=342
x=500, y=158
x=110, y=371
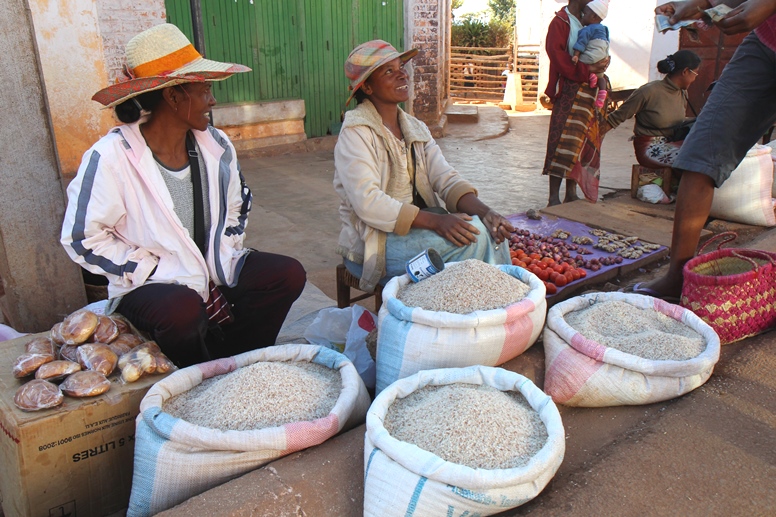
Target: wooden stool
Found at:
x=345, y=282
x=638, y=170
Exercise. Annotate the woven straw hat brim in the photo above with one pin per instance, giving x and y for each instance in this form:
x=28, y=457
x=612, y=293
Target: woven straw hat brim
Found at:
x=117, y=93
x=404, y=56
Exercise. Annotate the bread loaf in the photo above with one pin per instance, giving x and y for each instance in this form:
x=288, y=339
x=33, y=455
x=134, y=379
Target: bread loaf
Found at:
x=97, y=357
x=79, y=326
x=57, y=370
x=37, y=394
x=106, y=330
x=27, y=363
x=85, y=384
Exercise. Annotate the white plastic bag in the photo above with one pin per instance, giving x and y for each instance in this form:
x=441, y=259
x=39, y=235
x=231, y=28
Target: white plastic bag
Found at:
x=652, y=193
x=746, y=196
x=345, y=330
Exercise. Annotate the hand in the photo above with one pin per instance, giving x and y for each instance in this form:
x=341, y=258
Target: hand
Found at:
x=454, y=228
x=747, y=16
x=600, y=66
x=575, y=59
x=680, y=11
x=499, y=228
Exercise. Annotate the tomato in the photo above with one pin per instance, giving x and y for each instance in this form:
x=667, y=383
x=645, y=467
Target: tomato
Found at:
x=582, y=273
x=554, y=276
x=569, y=277
x=549, y=260
x=535, y=256
x=544, y=275
x=557, y=268
x=575, y=274
x=522, y=264
x=514, y=261
x=564, y=267
x=551, y=288
x=560, y=281
x=541, y=265
x=512, y=253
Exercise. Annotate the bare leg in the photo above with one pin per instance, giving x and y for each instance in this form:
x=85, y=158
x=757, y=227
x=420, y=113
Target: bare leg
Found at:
x=693, y=204
x=554, y=198
x=571, y=191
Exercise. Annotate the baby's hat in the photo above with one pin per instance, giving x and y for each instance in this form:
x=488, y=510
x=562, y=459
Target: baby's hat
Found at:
x=600, y=7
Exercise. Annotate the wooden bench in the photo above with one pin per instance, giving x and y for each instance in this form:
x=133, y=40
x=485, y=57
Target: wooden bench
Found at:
x=347, y=281
x=666, y=173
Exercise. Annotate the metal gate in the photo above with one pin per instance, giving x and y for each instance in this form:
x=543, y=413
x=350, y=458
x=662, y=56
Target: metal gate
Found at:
x=296, y=48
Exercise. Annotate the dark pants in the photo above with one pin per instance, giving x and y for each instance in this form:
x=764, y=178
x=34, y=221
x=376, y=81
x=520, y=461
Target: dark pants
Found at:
x=175, y=317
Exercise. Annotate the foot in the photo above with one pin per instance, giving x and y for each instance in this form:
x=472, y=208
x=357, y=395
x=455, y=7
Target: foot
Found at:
x=662, y=287
x=553, y=201
x=571, y=197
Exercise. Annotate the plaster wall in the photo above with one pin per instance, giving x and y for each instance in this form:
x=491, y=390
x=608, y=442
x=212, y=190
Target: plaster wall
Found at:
x=635, y=45
x=81, y=43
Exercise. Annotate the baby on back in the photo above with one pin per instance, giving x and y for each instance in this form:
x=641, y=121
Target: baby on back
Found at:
x=593, y=43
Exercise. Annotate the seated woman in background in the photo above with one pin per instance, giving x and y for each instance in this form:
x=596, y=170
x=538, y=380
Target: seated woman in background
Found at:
x=159, y=208
x=659, y=108
x=392, y=179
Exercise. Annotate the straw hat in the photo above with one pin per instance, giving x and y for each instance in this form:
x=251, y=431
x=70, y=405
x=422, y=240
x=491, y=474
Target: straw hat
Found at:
x=599, y=7
x=159, y=57
x=368, y=57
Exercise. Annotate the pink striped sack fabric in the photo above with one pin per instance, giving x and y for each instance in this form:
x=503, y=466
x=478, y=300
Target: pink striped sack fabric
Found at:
x=411, y=339
x=582, y=372
x=176, y=460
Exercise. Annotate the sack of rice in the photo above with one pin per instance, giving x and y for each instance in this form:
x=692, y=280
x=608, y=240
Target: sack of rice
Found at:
x=208, y=423
x=613, y=349
x=470, y=313
x=459, y=441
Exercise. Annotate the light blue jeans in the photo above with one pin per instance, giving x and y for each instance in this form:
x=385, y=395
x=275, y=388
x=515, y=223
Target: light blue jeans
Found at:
x=399, y=249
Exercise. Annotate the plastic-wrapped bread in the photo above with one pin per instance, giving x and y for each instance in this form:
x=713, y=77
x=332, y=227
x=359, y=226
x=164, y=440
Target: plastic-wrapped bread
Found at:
x=120, y=348
x=41, y=345
x=97, y=357
x=57, y=370
x=106, y=330
x=131, y=340
x=163, y=364
x=38, y=394
x=122, y=324
x=85, y=384
x=79, y=326
x=151, y=346
x=27, y=363
x=136, y=363
x=56, y=334
x=69, y=353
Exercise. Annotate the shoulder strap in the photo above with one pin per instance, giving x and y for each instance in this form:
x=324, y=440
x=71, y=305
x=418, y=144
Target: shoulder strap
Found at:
x=196, y=181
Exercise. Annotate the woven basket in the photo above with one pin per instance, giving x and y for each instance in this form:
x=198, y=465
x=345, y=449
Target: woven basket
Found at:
x=732, y=289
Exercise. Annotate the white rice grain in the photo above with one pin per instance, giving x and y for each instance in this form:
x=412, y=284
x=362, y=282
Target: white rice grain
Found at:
x=644, y=333
x=464, y=287
x=265, y=394
x=471, y=425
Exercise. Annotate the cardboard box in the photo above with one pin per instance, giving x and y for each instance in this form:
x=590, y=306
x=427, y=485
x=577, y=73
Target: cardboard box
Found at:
x=74, y=460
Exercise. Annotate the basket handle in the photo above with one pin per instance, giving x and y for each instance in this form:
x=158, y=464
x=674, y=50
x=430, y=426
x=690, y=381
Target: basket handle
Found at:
x=725, y=237
x=759, y=254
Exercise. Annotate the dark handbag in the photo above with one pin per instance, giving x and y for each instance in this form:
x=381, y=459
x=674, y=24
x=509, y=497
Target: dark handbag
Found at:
x=681, y=131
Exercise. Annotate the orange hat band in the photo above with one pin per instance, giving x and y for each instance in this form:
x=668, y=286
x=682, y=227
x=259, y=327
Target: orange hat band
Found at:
x=168, y=63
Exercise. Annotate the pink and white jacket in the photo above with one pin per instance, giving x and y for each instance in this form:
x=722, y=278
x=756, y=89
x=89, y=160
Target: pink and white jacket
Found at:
x=120, y=221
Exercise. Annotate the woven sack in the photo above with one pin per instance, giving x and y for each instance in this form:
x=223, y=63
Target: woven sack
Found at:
x=584, y=373
x=746, y=196
x=732, y=289
x=176, y=460
x=411, y=339
x=401, y=479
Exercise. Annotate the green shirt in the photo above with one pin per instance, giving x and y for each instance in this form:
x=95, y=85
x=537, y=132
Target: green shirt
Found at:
x=658, y=107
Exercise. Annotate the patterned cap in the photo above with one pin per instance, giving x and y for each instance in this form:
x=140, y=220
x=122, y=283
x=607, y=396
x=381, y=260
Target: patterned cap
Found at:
x=368, y=57
x=159, y=57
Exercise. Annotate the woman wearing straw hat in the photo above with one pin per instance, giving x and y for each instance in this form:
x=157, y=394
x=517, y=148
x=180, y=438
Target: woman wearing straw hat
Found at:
x=159, y=208
x=393, y=180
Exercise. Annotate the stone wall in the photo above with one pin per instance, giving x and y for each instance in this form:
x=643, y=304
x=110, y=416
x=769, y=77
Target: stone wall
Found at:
x=427, y=25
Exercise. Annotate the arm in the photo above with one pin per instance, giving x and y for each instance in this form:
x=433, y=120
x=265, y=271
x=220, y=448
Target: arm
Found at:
x=747, y=16
x=240, y=200
x=556, y=46
x=356, y=172
x=634, y=104
x=499, y=228
x=89, y=233
x=583, y=37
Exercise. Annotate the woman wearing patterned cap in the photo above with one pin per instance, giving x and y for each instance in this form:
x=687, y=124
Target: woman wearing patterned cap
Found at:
x=399, y=195
x=159, y=208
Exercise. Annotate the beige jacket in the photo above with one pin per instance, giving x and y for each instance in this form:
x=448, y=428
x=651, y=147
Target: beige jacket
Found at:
x=362, y=166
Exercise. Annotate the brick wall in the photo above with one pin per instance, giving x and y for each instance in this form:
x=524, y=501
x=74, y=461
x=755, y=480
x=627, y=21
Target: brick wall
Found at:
x=427, y=25
x=119, y=21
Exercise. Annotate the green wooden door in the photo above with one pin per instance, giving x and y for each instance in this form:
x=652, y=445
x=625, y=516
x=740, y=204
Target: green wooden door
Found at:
x=296, y=48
